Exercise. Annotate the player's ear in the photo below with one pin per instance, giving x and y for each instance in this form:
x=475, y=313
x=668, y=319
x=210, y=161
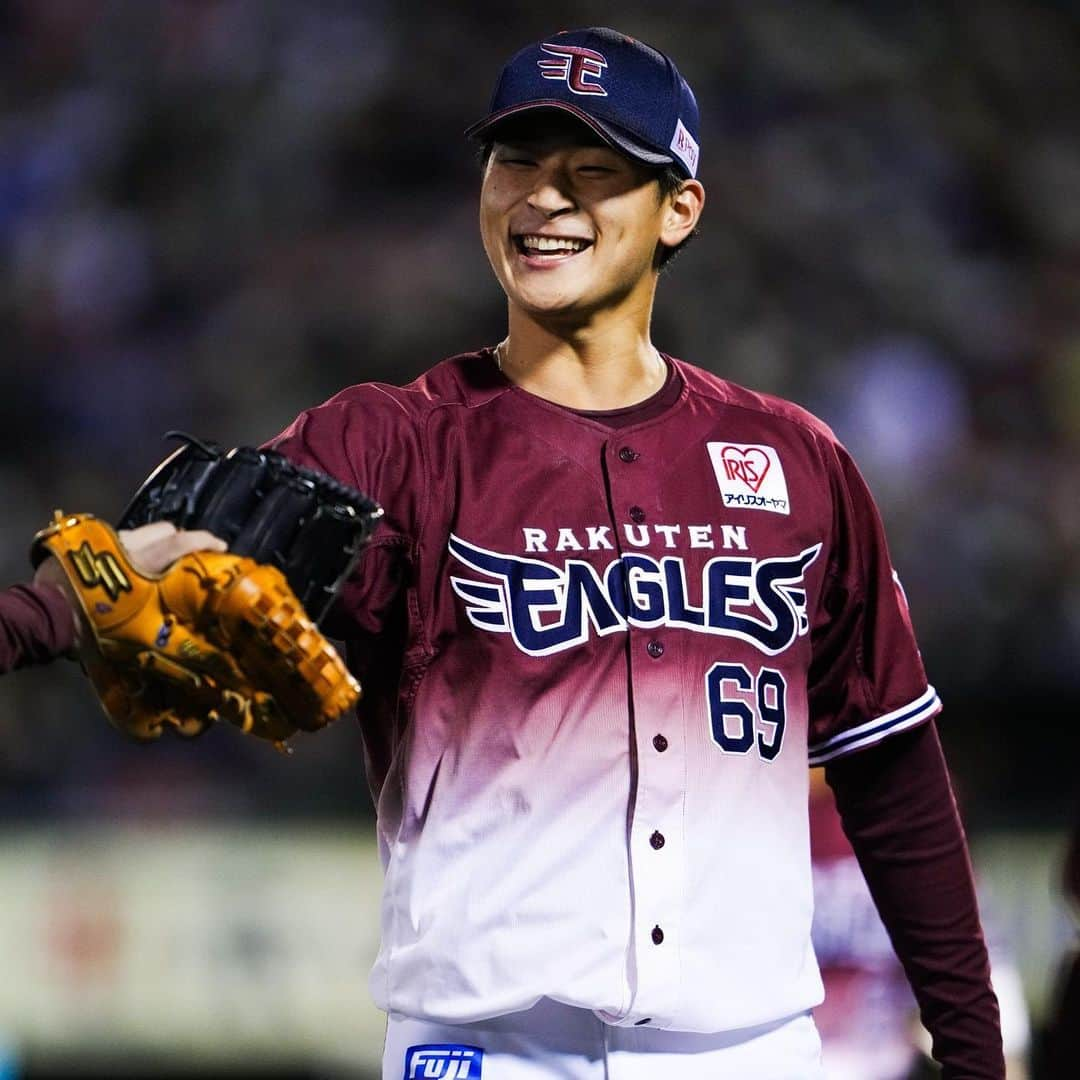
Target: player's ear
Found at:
x=681, y=212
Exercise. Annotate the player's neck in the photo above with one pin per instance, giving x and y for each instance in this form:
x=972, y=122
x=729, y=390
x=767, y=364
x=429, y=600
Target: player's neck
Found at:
x=600, y=366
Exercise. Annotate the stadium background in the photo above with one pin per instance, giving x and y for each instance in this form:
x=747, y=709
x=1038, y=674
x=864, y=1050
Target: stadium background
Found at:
x=214, y=213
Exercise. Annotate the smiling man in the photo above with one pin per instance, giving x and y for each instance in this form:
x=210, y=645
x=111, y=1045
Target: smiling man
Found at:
x=578, y=212
x=575, y=231
x=618, y=604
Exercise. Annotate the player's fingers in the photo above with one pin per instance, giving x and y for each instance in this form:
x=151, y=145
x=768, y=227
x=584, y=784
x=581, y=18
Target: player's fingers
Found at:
x=153, y=558
x=198, y=540
x=133, y=539
x=141, y=543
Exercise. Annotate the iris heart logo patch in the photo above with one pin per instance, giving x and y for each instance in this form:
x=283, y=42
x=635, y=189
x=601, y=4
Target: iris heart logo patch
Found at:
x=750, y=476
x=745, y=466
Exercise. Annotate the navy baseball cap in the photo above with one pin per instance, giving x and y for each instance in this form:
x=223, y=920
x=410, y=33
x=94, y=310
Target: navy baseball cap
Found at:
x=630, y=94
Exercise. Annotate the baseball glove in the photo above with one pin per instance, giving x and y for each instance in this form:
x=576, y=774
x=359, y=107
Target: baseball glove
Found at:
x=216, y=636
x=307, y=524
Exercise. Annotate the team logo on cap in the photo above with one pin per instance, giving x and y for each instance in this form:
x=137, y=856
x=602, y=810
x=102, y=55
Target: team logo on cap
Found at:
x=575, y=66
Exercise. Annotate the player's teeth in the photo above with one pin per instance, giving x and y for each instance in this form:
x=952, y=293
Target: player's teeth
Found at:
x=551, y=243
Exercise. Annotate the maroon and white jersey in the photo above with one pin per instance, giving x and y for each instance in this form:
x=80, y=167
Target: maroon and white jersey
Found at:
x=596, y=663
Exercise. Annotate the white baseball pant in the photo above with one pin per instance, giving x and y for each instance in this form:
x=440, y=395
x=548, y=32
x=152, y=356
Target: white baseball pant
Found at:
x=556, y=1042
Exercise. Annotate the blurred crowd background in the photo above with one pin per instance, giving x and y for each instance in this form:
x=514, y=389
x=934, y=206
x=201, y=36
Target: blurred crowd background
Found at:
x=215, y=213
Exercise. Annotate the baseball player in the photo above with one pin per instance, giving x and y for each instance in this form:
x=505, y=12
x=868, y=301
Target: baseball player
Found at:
x=616, y=605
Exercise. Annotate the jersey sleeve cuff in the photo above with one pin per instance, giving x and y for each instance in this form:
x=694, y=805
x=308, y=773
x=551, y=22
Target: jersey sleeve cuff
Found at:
x=873, y=731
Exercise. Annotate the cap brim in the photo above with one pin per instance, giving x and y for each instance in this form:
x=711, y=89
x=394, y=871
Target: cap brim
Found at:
x=618, y=138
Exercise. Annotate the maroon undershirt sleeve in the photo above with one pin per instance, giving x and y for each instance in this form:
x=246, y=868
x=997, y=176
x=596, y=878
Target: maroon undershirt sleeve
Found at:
x=36, y=626
x=899, y=813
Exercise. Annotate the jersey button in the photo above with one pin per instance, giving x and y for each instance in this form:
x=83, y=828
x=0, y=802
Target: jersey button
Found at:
x=637, y=515
x=657, y=935
x=640, y=1023
x=655, y=649
x=659, y=743
x=628, y=454
x=657, y=840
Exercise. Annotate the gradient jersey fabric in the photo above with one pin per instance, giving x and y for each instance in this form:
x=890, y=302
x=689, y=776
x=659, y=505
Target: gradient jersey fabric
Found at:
x=596, y=664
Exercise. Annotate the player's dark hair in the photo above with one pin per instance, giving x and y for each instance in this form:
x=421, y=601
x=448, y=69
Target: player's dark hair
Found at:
x=669, y=182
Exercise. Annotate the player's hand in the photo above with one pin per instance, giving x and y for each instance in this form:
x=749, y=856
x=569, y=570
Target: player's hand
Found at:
x=151, y=549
